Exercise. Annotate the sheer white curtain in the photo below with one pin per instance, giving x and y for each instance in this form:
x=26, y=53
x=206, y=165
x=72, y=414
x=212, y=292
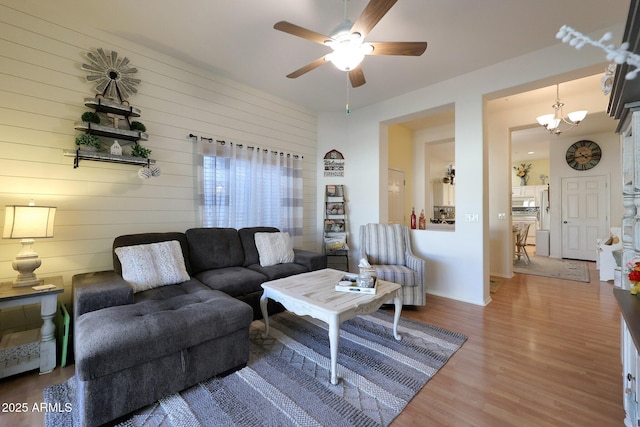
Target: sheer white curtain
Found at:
x=249, y=186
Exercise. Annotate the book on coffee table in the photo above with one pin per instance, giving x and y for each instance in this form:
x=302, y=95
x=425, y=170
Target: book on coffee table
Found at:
x=349, y=284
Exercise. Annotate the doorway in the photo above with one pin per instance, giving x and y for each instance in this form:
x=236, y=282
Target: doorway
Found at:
x=396, y=196
x=585, y=215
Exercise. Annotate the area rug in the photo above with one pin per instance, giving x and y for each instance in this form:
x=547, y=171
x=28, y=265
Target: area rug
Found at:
x=286, y=381
x=566, y=269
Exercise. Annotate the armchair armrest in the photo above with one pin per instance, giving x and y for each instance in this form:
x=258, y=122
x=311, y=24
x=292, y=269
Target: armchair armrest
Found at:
x=312, y=260
x=98, y=290
x=415, y=263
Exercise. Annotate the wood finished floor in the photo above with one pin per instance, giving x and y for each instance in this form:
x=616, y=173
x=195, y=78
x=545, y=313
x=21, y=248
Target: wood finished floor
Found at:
x=544, y=352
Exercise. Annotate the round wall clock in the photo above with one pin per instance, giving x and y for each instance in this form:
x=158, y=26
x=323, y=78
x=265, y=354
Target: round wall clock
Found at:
x=583, y=155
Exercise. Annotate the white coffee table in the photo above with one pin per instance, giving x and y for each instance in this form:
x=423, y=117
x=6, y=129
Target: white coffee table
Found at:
x=313, y=294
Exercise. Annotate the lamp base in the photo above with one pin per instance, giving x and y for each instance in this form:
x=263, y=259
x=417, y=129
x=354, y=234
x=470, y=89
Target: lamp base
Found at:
x=23, y=284
x=26, y=263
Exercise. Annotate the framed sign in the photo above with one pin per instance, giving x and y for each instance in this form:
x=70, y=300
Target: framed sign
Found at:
x=333, y=164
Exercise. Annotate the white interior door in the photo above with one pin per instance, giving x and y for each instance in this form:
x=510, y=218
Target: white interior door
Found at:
x=396, y=197
x=585, y=209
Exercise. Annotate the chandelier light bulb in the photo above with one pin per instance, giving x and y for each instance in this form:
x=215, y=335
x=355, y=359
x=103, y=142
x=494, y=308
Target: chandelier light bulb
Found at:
x=545, y=119
x=578, y=116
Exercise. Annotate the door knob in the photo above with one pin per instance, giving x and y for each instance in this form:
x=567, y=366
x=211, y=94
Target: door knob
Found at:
x=565, y=222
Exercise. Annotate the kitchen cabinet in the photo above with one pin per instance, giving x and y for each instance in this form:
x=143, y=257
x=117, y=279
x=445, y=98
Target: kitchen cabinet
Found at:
x=527, y=190
x=624, y=105
x=444, y=194
x=630, y=336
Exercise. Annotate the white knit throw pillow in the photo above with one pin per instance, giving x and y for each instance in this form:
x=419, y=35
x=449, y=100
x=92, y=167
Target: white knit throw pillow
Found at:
x=274, y=248
x=153, y=265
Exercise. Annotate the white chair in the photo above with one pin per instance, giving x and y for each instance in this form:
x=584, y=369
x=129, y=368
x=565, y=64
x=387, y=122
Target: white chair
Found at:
x=387, y=247
x=605, y=262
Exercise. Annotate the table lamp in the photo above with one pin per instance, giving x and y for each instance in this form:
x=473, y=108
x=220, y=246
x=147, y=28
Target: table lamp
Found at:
x=28, y=223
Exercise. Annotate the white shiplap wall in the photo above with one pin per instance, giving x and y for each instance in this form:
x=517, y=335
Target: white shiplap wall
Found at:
x=42, y=89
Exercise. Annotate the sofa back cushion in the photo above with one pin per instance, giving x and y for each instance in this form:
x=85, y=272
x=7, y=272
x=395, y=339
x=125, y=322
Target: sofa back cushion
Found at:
x=212, y=248
x=247, y=237
x=147, y=238
x=384, y=244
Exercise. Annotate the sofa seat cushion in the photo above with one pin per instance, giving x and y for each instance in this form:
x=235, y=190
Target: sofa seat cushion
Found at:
x=279, y=271
x=118, y=338
x=165, y=292
x=398, y=274
x=234, y=281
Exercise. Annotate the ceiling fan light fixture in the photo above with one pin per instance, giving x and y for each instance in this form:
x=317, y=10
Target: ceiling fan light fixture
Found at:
x=348, y=52
x=347, y=42
x=343, y=29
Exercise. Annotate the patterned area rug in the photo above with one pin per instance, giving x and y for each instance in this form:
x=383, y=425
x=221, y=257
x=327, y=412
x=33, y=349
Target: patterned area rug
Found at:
x=286, y=381
x=566, y=269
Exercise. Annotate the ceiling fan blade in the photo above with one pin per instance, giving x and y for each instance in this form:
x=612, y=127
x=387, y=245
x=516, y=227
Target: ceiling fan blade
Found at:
x=293, y=29
x=311, y=66
x=398, y=48
x=370, y=16
x=356, y=77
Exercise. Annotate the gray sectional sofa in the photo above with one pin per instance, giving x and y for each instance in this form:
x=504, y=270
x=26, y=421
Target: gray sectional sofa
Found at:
x=133, y=348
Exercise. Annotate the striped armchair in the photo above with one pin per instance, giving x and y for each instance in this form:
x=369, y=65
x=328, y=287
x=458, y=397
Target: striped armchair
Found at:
x=387, y=247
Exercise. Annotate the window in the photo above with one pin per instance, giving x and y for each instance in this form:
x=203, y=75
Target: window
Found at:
x=249, y=187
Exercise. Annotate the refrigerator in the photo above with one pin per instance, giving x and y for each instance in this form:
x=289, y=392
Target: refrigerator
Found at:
x=542, y=235
x=544, y=210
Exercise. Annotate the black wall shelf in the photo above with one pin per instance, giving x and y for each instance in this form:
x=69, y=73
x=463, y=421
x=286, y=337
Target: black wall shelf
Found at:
x=97, y=156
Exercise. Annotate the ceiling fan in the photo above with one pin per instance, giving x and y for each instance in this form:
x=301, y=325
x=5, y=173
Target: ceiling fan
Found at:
x=347, y=42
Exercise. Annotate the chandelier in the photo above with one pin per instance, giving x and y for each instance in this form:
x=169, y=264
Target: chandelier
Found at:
x=554, y=122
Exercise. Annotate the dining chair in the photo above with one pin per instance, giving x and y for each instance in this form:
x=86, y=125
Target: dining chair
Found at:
x=521, y=242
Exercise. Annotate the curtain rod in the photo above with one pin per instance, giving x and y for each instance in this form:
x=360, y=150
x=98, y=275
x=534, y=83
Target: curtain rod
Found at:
x=249, y=147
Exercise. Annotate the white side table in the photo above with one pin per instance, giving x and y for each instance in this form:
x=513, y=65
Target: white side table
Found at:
x=48, y=299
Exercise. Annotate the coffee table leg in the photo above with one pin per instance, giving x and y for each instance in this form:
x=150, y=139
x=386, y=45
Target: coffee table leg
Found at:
x=264, y=299
x=334, y=337
x=397, y=301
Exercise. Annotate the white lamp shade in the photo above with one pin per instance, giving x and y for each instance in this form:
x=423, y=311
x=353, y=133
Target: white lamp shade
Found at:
x=28, y=222
x=578, y=116
x=346, y=59
x=553, y=124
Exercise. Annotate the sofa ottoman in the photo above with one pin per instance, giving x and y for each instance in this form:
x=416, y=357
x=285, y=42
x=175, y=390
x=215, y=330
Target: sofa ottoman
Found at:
x=132, y=355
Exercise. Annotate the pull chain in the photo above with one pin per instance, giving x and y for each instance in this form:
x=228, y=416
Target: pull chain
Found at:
x=347, y=111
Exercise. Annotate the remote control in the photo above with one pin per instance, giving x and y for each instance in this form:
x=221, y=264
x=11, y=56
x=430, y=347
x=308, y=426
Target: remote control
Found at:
x=43, y=287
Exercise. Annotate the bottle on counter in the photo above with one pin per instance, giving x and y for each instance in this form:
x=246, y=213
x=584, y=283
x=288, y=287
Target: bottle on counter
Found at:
x=422, y=221
x=413, y=218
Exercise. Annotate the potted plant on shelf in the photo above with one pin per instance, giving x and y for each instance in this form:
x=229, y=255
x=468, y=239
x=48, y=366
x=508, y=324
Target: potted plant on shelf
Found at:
x=88, y=142
x=90, y=117
x=138, y=126
x=138, y=150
